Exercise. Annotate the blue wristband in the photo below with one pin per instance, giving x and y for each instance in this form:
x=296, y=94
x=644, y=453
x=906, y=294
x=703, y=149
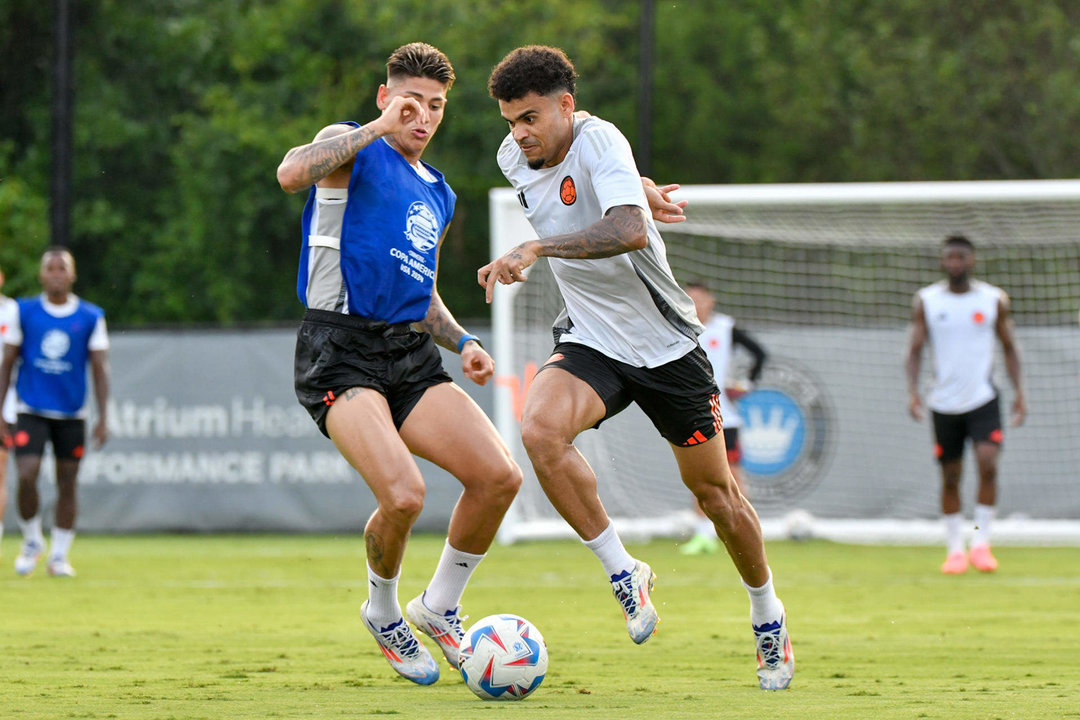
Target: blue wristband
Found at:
x=464, y=339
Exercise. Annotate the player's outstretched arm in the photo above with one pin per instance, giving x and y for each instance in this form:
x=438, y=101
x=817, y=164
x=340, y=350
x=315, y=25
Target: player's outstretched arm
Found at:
x=1011, y=350
x=913, y=357
x=623, y=229
x=336, y=145
x=445, y=330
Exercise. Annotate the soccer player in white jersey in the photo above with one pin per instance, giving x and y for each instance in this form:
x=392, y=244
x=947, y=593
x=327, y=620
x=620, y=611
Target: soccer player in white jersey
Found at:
x=54, y=339
x=961, y=316
x=719, y=340
x=628, y=334
x=8, y=315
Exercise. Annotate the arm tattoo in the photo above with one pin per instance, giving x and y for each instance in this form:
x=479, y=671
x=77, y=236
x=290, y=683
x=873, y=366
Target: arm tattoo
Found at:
x=615, y=234
x=319, y=159
x=440, y=324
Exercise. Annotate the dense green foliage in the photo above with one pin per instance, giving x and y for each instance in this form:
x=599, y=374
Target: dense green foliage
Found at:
x=185, y=107
x=200, y=627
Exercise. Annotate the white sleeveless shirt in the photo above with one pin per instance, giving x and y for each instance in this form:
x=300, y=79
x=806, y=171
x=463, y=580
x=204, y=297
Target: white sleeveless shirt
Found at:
x=962, y=328
x=9, y=315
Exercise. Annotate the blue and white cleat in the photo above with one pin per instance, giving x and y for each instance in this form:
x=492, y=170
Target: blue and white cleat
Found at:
x=776, y=659
x=445, y=629
x=403, y=651
x=632, y=591
x=60, y=567
x=28, y=556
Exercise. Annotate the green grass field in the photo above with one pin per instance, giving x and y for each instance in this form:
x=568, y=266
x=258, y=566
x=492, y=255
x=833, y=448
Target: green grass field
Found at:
x=267, y=627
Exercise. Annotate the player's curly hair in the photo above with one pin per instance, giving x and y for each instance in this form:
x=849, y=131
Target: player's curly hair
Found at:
x=534, y=68
x=420, y=60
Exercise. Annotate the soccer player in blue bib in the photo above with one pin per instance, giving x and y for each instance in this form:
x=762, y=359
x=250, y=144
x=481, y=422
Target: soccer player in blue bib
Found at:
x=53, y=339
x=367, y=367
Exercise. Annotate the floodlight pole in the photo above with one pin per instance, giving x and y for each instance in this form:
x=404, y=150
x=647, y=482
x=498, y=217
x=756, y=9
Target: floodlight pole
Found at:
x=63, y=52
x=646, y=41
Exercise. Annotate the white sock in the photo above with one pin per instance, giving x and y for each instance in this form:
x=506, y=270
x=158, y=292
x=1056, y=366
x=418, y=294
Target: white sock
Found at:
x=31, y=529
x=609, y=549
x=451, y=576
x=765, y=607
x=704, y=527
x=954, y=532
x=383, y=608
x=984, y=516
x=60, y=543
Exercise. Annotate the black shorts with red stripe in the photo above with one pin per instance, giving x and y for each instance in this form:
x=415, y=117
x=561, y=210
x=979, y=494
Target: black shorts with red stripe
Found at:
x=982, y=425
x=680, y=397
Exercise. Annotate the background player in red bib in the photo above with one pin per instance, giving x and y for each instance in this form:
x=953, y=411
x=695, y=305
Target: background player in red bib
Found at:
x=961, y=317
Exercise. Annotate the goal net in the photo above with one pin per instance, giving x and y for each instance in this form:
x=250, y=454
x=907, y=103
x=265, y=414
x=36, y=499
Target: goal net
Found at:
x=822, y=276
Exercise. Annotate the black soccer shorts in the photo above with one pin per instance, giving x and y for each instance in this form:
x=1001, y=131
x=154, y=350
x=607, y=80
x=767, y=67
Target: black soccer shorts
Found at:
x=67, y=435
x=335, y=352
x=983, y=424
x=680, y=397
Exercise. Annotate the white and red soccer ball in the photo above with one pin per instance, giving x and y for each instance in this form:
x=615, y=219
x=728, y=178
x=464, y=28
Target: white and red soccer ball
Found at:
x=503, y=657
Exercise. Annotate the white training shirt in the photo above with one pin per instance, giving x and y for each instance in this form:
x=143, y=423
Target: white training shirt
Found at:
x=962, y=328
x=718, y=345
x=628, y=306
x=9, y=317
x=99, y=336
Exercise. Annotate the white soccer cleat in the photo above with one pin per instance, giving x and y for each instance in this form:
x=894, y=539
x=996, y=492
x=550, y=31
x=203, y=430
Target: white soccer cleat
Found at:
x=632, y=591
x=28, y=556
x=403, y=651
x=60, y=567
x=445, y=629
x=776, y=659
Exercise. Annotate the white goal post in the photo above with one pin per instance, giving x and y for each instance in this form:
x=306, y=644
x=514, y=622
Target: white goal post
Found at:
x=822, y=276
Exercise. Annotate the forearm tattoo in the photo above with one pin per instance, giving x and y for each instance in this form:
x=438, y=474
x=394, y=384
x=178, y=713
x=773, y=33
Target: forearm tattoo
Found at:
x=613, y=235
x=440, y=324
x=319, y=159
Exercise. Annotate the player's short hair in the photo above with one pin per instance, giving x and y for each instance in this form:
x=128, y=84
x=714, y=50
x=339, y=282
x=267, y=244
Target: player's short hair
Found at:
x=61, y=251
x=422, y=61
x=698, y=285
x=533, y=68
x=958, y=239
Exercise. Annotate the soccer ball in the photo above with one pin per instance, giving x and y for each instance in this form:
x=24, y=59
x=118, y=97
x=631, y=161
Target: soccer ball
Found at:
x=503, y=657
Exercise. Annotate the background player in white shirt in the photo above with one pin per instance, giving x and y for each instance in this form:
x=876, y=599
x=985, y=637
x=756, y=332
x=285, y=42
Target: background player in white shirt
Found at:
x=628, y=334
x=960, y=317
x=719, y=340
x=8, y=315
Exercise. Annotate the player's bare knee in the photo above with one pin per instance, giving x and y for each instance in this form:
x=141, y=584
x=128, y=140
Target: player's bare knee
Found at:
x=402, y=504
x=541, y=440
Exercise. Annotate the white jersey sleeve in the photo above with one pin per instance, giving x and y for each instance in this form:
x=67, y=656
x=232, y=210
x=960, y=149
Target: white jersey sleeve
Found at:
x=99, y=338
x=615, y=177
x=9, y=323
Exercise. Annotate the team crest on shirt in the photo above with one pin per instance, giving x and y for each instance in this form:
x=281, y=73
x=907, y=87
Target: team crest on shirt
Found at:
x=568, y=191
x=55, y=344
x=421, y=227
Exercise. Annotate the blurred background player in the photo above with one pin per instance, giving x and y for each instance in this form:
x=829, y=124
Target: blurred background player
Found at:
x=628, y=334
x=54, y=337
x=961, y=316
x=719, y=339
x=8, y=316
x=367, y=367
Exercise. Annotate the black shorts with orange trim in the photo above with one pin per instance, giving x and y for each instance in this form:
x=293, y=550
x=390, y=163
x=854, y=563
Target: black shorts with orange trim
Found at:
x=335, y=352
x=680, y=397
x=982, y=425
x=67, y=435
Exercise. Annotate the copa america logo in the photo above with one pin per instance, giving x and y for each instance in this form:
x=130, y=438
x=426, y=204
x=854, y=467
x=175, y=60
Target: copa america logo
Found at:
x=55, y=344
x=421, y=227
x=787, y=435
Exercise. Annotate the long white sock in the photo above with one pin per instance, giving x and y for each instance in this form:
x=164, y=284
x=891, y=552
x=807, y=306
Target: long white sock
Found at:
x=984, y=517
x=765, y=607
x=60, y=543
x=451, y=576
x=31, y=529
x=954, y=532
x=609, y=549
x=383, y=608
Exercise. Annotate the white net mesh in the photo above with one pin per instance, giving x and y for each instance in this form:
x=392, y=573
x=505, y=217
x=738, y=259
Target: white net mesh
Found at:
x=823, y=277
